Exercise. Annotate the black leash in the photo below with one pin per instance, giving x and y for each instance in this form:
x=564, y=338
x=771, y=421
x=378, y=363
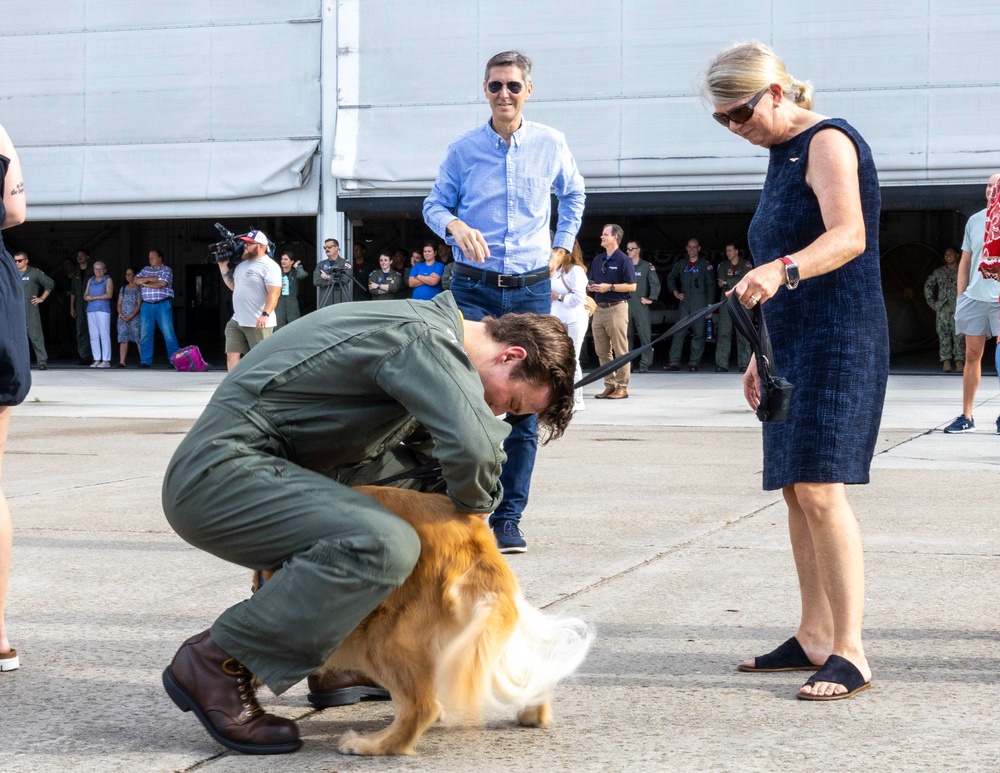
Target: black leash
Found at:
x=775, y=392
x=432, y=469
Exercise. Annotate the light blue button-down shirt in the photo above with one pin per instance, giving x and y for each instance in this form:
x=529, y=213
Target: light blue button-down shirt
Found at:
x=505, y=193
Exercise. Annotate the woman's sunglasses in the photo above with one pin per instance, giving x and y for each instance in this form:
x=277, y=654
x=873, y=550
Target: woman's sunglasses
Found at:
x=514, y=87
x=741, y=114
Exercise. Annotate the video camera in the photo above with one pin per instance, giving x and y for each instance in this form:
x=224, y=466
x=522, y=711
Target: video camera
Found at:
x=230, y=249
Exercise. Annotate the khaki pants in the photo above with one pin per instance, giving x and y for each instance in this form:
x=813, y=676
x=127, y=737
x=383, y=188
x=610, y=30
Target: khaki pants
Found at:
x=610, y=327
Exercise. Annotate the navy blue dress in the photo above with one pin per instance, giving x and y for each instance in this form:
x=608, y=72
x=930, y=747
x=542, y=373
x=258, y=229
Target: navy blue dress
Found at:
x=15, y=362
x=830, y=335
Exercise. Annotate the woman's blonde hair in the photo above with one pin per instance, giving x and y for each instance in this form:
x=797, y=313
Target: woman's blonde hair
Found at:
x=743, y=69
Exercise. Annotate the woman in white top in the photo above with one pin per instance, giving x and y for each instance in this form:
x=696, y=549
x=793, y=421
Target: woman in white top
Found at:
x=569, y=291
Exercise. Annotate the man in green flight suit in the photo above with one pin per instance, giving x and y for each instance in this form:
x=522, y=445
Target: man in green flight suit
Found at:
x=647, y=290
x=692, y=281
x=37, y=286
x=262, y=480
x=728, y=273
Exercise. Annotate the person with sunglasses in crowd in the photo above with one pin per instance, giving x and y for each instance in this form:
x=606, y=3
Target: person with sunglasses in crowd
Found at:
x=37, y=287
x=491, y=203
x=815, y=243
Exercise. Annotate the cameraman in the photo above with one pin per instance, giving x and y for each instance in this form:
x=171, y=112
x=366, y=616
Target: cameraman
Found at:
x=256, y=286
x=332, y=276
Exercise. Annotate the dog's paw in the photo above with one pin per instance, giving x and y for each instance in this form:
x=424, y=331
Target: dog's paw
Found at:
x=535, y=716
x=367, y=746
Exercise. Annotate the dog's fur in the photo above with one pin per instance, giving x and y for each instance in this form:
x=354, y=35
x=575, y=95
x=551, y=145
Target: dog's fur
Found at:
x=458, y=635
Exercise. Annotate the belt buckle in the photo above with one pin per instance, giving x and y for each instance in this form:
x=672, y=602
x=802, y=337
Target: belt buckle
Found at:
x=508, y=281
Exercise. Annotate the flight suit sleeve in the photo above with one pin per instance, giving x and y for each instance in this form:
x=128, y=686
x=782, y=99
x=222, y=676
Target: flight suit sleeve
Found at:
x=654, y=283
x=432, y=378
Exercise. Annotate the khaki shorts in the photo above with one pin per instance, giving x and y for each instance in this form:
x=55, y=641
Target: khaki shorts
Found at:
x=241, y=340
x=977, y=318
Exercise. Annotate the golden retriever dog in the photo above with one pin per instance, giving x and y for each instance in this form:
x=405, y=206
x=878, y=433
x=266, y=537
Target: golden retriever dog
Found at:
x=457, y=636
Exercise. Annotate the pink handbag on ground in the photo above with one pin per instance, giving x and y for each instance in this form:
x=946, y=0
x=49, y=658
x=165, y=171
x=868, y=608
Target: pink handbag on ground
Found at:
x=189, y=358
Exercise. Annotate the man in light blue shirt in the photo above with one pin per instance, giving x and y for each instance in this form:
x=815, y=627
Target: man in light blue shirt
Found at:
x=491, y=202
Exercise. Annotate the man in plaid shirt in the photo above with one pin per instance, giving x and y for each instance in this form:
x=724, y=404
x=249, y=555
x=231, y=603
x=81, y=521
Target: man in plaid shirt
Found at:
x=157, y=283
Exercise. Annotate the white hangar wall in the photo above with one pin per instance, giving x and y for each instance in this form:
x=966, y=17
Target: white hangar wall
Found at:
x=139, y=109
x=145, y=109
x=618, y=77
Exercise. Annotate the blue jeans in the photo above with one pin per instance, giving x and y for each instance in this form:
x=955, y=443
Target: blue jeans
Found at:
x=478, y=300
x=152, y=316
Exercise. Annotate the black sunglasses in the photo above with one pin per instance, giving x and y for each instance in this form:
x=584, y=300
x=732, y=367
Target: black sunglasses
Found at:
x=741, y=114
x=514, y=87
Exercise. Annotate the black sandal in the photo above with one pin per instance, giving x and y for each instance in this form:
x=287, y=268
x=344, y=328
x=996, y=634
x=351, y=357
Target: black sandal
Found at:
x=787, y=657
x=839, y=671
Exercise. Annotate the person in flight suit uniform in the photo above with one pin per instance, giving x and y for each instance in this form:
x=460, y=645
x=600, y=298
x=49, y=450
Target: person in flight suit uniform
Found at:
x=262, y=480
x=941, y=292
x=647, y=290
x=727, y=274
x=37, y=286
x=692, y=281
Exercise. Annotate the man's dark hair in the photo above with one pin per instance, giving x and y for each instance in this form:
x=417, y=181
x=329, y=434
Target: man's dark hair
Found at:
x=290, y=254
x=510, y=59
x=85, y=252
x=432, y=245
x=22, y=252
x=616, y=231
x=636, y=242
x=551, y=362
x=158, y=252
x=331, y=239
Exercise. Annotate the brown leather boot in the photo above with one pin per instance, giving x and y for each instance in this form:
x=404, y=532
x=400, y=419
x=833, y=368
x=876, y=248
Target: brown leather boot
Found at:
x=342, y=688
x=204, y=679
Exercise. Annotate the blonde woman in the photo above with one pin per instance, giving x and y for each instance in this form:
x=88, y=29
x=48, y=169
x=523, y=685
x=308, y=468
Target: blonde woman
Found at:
x=815, y=244
x=569, y=293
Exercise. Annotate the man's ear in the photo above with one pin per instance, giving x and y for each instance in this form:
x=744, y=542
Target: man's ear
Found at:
x=513, y=354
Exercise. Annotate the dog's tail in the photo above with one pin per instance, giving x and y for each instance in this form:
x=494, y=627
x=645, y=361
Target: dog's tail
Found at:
x=507, y=655
x=542, y=650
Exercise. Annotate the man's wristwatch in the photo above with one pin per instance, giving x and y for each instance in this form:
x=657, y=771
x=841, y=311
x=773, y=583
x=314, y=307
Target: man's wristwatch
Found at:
x=791, y=272
x=265, y=314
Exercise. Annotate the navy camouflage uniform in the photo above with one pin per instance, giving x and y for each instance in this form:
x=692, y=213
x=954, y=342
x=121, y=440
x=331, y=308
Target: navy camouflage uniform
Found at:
x=940, y=292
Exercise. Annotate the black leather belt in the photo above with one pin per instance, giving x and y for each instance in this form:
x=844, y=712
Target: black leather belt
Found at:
x=507, y=281
x=609, y=304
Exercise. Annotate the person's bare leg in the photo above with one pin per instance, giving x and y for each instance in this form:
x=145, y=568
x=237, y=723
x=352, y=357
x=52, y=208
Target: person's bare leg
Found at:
x=815, y=631
x=840, y=569
x=972, y=372
x=122, y=352
x=6, y=534
x=232, y=360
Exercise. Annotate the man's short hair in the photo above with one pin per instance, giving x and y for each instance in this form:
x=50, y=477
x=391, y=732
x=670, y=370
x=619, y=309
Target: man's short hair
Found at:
x=85, y=252
x=290, y=254
x=616, y=231
x=510, y=59
x=551, y=362
x=328, y=241
x=21, y=252
x=159, y=253
x=636, y=242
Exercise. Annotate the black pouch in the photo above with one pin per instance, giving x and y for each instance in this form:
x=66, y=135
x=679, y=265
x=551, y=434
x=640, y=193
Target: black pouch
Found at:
x=775, y=392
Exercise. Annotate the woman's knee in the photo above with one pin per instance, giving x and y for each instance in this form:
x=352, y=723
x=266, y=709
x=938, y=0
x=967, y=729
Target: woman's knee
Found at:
x=819, y=500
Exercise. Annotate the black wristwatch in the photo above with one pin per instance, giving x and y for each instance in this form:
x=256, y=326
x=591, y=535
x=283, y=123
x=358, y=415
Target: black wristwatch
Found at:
x=791, y=272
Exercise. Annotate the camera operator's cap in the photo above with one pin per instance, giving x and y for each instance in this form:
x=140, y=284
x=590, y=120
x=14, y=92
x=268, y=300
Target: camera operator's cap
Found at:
x=254, y=236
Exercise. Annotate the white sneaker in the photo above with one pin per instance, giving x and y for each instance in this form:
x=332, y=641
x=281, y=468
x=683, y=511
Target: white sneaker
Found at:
x=95, y=364
x=104, y=364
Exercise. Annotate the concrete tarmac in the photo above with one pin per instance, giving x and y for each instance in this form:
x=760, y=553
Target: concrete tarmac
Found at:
x=647, y=519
